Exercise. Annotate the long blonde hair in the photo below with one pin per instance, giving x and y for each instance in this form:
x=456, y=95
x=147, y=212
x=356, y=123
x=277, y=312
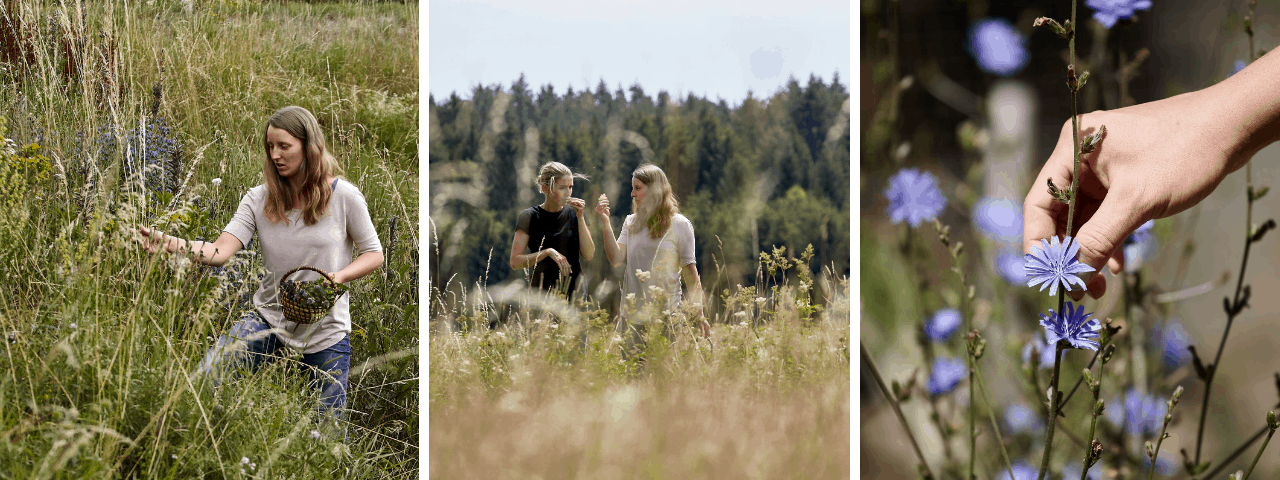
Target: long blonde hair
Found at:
x=317, y=166
x=659, y=205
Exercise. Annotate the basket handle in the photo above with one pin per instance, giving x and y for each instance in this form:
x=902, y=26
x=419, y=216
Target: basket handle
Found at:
x=321, y=272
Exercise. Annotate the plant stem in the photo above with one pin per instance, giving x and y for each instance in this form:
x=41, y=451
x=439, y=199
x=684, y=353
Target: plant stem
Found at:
x=1075, y=127
x=893, y=401
x=986, y=397
x=1270, y=432
x=1093, y=424
x=1053, y=407
x=1080, y=380
x=1238, y=451
x=1248, y=230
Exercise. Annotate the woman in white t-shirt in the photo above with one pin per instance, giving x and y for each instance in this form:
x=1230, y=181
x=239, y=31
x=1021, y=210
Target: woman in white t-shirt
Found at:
x=657, y=244
x=304, y=215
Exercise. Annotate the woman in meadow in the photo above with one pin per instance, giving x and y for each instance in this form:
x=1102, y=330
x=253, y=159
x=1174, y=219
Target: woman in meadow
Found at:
x=656, y=243
x=304, y=215
x=550, y=237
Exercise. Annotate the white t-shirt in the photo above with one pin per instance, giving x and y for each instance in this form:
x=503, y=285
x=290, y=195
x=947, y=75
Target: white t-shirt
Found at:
x=662, y=258
x=328, y=245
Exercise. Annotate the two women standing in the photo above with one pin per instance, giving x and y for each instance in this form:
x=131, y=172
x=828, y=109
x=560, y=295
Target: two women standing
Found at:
x=656, y=242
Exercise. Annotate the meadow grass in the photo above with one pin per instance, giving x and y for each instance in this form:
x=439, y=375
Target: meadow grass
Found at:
x=561, y=391
x=99, y=337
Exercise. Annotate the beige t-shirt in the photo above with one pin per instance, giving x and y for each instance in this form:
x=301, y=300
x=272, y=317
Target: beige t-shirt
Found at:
x=662, y=258
x=328, y=245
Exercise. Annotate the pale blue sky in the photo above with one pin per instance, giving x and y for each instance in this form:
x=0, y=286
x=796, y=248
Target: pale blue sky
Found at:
x=714, y=48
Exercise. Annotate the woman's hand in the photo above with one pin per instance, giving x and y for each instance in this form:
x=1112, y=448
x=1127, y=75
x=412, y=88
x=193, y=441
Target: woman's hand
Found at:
x=152, y=241
x=579, y=206
x=560, y=260
x=602, y=207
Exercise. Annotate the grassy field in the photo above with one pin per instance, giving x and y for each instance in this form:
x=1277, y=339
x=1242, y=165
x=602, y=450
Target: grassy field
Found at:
x=560, y=392
x=119, y=115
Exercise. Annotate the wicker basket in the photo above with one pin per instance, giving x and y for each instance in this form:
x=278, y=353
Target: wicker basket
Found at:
x=301, y=313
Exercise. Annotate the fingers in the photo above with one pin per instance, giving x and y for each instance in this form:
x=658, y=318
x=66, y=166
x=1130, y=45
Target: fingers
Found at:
x=1104, y=234
x=1116, y=264
x=1096, y=287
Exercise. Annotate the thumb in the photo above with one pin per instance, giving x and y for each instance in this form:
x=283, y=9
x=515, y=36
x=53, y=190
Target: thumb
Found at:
x=1105, y=232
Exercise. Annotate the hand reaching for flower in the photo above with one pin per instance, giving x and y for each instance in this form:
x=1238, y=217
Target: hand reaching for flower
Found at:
x=1156, y=159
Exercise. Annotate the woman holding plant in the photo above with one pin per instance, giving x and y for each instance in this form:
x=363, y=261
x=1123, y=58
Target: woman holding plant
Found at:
x=656, y=244
x=304, y=215
x=552, y=238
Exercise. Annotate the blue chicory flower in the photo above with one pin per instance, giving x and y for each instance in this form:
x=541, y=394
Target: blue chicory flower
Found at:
x=1143, y=414
x=914, y=196
x=943, y=323
x=1240, y=64
x=1011, y=268
x=1172, y=340
x=1038, y=344
x=1075, y=327
x=1019, y=418
x=998, y=47
x=999, y=219
x=1021, y=471
x=1164, y=466
x=1055, y=264
x=1108, y=12
x=947, y=372
x=1139, y=246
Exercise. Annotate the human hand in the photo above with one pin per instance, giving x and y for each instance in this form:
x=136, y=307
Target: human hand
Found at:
x=151, y=240
x=579, y=205
x=602, y=207
x=338, y=279
x=560, y=260
x=1155, y=160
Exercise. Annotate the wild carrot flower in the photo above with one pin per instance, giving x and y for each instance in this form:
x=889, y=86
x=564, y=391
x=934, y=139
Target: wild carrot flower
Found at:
x=1108, y=12
x=1021, y=471
x=1053, y=264
x=1075, y=327
x=942, y=324
x=998, y=47
x=1172, y=341
x=999, y=219
x=1019, y=418
x=947, y=372
x=913, y=196
x=1012, y=268
x=1037, y=344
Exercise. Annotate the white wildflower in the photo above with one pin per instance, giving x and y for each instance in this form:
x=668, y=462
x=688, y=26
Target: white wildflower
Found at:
x=242, y=472
x=74, y=326
x=641, y=275
x=217, y=182
x=740, y=314
x=315, y=434
x=244, y=460
x=742, y=324
x=760, y=301
x=555, y=326
x=502, y=335
x=631, y=297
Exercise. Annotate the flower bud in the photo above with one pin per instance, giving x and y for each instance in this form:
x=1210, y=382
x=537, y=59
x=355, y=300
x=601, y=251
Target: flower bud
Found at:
x=1088, y=377
x=1271, y=420
x=1151, y=451
x=1099, y=407
x=1177, y=393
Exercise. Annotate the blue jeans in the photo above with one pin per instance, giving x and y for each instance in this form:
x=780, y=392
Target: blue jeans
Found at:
x=250, y=344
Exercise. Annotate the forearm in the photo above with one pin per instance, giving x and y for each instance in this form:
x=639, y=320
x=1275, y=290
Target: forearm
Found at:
x=1244, y=109
x=610, y=242
x=200, y=251
x=363, y=265
x=586, y=245
x=527, y=260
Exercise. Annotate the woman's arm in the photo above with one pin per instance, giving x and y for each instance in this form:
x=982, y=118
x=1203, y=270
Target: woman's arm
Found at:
x=586, y=245
x=364, y=264
x=617, y=253
x=213, y=254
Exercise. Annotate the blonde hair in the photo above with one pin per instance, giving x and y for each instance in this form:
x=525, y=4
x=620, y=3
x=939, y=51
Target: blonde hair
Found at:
x=659, y=205
x=309, y=183
x=551, y=171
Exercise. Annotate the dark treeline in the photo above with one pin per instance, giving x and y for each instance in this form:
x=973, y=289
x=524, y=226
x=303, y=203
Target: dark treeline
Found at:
x=767, y=173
